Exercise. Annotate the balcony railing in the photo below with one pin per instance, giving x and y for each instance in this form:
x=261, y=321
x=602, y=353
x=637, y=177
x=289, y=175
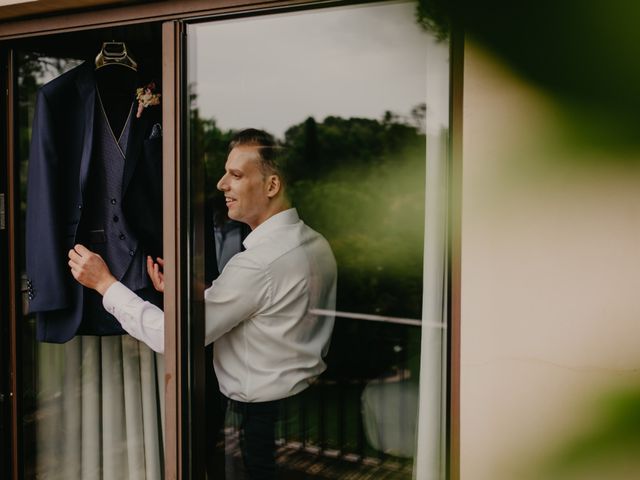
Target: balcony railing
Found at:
x=360, y=415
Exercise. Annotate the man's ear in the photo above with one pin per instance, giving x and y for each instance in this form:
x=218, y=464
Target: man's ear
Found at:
x=273, y=185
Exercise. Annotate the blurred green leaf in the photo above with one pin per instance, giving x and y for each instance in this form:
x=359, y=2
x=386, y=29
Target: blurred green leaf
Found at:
x=583, y=53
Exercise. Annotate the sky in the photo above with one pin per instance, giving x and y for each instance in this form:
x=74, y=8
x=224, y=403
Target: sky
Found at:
x=274, y=71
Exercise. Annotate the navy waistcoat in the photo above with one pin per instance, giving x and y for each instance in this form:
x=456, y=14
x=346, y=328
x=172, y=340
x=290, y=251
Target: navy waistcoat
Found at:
x=106, y=230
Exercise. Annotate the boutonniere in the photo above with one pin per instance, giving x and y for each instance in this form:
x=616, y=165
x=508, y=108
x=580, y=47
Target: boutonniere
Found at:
x=146, y=97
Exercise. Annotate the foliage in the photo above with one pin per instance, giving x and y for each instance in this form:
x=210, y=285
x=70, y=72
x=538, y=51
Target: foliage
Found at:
x=433, y=16
x=582, y=53
x=360, y=182
x=611, y=437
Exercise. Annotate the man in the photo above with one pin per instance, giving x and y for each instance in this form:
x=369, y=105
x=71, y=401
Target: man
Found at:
x=269, y=343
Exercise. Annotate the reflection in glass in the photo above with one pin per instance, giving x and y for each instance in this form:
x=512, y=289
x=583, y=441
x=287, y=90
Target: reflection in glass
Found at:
x=344, y=92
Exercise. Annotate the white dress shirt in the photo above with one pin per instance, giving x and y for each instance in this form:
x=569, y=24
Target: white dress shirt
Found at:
x=268, y=345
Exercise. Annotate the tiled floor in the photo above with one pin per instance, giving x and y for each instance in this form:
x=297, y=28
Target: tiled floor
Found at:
x=300, y=464
x=297, y=463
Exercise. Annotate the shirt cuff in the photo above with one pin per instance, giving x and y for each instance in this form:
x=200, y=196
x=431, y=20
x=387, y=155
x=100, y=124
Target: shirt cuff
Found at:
x=142, y=320
x=116, y=294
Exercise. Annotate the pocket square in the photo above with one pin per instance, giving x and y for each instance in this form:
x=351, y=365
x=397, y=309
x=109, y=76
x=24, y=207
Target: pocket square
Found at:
x=156, y=131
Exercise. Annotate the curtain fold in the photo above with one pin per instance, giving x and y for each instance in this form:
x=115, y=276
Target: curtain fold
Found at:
x=99, y=410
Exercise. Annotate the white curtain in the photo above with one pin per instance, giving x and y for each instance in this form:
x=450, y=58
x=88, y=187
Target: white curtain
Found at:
x=99, y=410
x=431, y=428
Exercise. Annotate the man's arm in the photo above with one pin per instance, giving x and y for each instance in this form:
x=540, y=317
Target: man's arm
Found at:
x=237, y=295
x=241, y=290
x=140, y=319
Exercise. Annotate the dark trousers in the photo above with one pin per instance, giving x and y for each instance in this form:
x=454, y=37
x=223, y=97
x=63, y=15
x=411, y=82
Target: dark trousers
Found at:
x=256, y=423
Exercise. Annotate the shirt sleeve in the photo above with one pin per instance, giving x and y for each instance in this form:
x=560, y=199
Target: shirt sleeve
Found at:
x=140, y=319
x=235, y=296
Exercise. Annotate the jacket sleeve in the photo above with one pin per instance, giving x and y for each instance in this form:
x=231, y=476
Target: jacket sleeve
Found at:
x=46, y=230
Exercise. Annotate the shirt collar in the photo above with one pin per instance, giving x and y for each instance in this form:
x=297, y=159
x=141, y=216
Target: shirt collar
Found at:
x=262, y=231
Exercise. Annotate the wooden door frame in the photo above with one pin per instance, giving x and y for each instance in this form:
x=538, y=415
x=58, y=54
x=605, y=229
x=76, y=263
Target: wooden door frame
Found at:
x=8, y=297
x=159, y=11
x=456, y=77
x=176, y=448
x=14, y=294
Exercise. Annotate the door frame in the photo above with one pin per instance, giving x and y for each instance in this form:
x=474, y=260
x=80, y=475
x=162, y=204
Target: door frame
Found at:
x=8, y=296
x=11, y=294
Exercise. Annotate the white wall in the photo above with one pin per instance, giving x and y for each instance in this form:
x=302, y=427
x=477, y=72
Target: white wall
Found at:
x=550, y=280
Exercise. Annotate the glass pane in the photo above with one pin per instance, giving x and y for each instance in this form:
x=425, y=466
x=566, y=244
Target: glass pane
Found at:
x=92, y=397
x=344, y=93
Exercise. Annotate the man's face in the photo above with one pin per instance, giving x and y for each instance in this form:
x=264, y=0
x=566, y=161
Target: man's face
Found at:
x=245, y=187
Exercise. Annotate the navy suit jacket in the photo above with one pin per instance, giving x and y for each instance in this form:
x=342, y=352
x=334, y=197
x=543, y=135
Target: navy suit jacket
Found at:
x=59, y=165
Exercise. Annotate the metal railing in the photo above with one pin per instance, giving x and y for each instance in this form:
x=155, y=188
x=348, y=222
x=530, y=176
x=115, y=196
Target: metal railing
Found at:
x=327, y=420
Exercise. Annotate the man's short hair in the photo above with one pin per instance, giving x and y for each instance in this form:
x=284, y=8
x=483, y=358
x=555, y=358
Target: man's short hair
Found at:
x=268, y=149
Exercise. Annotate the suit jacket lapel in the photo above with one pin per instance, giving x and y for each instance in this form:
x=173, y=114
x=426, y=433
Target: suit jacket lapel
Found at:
x=134, y=146
x=86, y=84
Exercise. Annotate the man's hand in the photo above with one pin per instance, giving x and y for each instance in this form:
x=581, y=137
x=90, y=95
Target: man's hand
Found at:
x=89, y=269
x=156, y=272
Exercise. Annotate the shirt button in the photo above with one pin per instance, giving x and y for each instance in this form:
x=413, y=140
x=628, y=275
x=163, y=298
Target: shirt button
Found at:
x=122, y=237
x=132, y=253
x=113, y=201
x=115, y=218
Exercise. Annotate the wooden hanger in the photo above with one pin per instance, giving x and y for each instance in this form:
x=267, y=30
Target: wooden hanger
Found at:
x=115, y=53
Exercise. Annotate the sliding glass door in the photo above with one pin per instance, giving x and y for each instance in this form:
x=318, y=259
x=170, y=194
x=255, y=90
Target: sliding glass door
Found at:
x=357, y=99
x=91, y=403
x=344, y=91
